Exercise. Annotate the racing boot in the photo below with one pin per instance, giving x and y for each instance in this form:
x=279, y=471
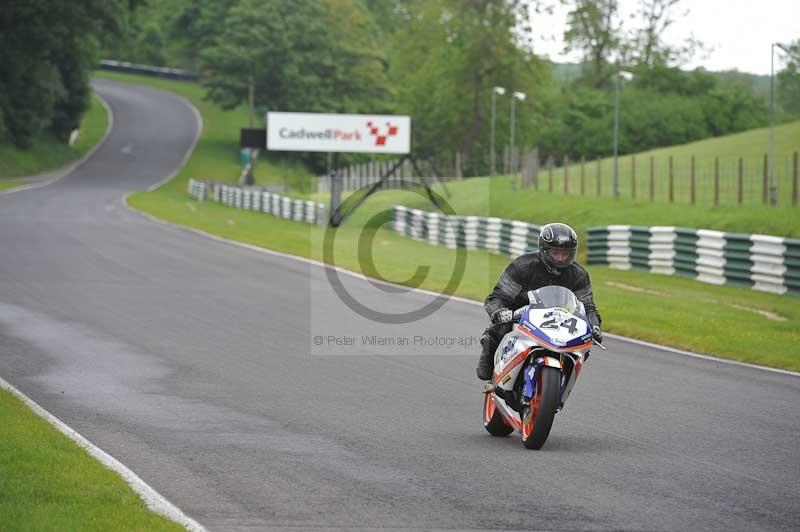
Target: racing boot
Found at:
x=485, y=366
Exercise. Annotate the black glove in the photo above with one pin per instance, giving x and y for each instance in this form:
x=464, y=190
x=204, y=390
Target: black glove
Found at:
x=597, y=334
x=502, y=315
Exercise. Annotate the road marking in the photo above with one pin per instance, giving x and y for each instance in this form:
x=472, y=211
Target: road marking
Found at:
x=154, y=500
x=436, y=294
x=127, y=149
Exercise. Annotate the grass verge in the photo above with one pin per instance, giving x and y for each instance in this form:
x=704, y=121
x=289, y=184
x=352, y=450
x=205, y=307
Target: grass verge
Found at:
x=49, y=483
x=723, y=321
x=47, y=153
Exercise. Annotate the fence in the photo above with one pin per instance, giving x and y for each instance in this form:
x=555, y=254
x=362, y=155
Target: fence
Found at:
x=761, y=262
x=692, y=180
x=259, y=199
x=364, y=174
x=509, y=237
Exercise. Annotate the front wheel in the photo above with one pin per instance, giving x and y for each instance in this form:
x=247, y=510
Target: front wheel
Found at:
x=537, y=417
x=493, y=420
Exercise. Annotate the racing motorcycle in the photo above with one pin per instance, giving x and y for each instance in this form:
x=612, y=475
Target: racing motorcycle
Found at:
x=536, y=365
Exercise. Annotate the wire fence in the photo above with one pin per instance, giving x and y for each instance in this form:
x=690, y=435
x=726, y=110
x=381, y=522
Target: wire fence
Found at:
x=701, y=180
x=692, y=180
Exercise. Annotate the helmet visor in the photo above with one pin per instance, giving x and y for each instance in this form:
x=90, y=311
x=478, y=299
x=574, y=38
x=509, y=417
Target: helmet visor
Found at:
x=559, y=257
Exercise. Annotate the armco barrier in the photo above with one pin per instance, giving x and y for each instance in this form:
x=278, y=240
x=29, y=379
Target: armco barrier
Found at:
x=761, y=262
x=509, y=237
x=258, y=199
x=148, y=70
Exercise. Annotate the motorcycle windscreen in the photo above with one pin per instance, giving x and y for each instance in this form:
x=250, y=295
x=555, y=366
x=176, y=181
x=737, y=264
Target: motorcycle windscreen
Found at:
x=553, y=297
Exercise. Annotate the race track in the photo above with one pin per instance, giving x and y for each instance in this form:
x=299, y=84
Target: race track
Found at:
x=193, y=362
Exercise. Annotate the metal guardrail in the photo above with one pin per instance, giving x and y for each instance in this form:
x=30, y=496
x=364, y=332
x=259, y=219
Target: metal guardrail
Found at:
x=161, y=72
x=761, y=262
x=260, y=200
x=509, y=237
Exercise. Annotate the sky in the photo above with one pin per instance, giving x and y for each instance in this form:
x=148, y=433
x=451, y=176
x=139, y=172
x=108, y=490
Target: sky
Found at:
x=738, y=31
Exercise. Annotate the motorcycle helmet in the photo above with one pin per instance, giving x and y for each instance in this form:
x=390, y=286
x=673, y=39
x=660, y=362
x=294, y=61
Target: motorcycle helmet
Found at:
x=558, y=245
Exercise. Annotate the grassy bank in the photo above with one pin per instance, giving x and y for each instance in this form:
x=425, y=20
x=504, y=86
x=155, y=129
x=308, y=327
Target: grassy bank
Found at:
x=49, y=483
x=724, y=321
x=635, y=170
x=48, y=153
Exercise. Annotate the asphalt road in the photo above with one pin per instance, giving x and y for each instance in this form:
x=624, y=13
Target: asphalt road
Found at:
x=194, y=362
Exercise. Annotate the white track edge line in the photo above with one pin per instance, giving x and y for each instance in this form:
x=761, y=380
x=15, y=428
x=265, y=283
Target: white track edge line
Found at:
x=363, y=277
x=64, y=171
x=153, y=500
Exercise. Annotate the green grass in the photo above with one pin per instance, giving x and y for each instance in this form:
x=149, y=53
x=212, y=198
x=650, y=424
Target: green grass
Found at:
x=49, y=483
x=48, y=153
x=723, y=321
x=10, y=183
x=751, y=146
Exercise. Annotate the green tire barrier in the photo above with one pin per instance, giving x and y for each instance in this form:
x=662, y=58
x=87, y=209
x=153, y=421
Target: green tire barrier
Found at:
x=509, y=237
x=260, y=200
x=761, y=262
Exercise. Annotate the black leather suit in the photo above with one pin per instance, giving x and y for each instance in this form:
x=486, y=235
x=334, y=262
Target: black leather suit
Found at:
x=528, y=272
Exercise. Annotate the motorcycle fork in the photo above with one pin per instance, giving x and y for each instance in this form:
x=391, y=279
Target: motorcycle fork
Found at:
x=524, y=400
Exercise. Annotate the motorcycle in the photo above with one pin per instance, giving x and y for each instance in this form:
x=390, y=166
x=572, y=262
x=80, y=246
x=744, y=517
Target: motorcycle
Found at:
x=536, y=365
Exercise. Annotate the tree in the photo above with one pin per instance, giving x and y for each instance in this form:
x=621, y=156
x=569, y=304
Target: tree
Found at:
x=300, y=55
x=646, y=46
x=444, y=61
x=788, y=88
x=594, y=30
x=48, y=47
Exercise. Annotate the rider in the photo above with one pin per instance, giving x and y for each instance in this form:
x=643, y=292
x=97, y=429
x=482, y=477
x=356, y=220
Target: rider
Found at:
x=552, y=264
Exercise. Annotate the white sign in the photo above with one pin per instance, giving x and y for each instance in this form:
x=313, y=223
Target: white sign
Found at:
x=338, y=133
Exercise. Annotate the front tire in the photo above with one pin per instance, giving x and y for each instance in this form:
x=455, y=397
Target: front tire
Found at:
x=537, y=417
x=493, y=420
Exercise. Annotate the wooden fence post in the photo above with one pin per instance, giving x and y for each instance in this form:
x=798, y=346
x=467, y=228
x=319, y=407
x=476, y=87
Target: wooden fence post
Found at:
x=740, y=192
x=652, y=178
x=716, y=181
x=766, y=181
x=566, y=175
x=583, y=173
x=599, y=171
x=692, y=183
x=794, y=179
x=633, y=176
x=671, y=182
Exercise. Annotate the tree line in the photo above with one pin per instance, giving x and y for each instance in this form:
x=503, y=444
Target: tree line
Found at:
x=435, y=60
x=48, y=50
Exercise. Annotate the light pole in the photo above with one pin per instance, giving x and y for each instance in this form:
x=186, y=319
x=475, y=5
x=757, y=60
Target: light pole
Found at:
x=495, y=92
x=521, y=97
x=773, y=187
x=628, y=76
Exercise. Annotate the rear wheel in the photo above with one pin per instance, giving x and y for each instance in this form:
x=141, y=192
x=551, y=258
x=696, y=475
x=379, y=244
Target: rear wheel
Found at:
x=492, y=419
x=537, y=417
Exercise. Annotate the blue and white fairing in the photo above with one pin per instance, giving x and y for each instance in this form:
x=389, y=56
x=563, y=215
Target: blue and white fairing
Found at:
x=557, y=329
